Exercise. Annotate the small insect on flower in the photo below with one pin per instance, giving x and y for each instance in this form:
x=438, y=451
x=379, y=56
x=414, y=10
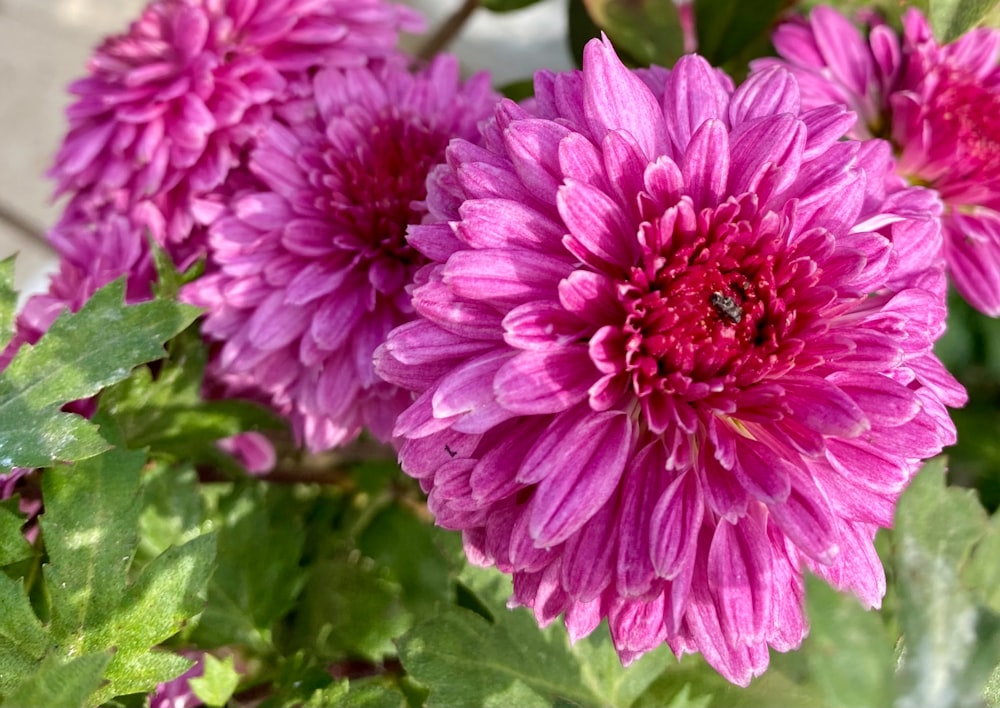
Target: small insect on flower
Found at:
x=726, y=307
x=450, y=452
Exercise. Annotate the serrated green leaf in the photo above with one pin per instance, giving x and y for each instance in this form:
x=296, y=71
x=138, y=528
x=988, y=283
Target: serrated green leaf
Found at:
x=263, y=523
x=66, y=684
x=23, y=639
x=950, y=19
x=8, y=301
x=217, y=682
x=647, y=31
x=140, y=673
x=848, y=649
x=90, y=532
x=79, y=355
x=349, y=609
x=169, y=591
x=168, y=414
x=444, y=652
x=13, y=546
x=514, y=662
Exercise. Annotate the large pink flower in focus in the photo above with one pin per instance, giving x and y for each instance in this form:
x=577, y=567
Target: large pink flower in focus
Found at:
x=940, y=106
x=311, y=266
x=169, y=105
x=674, y=348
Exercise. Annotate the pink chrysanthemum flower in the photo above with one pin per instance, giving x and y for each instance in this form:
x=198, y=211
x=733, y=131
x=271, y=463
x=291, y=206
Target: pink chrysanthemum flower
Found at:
x=312, y=265
x=672, y=351
x=169, y=105
x=940, y=106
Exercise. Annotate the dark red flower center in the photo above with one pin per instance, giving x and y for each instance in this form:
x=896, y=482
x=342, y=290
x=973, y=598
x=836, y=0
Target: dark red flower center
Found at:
x=706, y=302
x=382, y=182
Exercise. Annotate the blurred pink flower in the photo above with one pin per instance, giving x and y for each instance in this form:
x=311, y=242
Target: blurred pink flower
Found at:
x=311, y=266
x=169, y=105
x=938, y=104
x=674, y=348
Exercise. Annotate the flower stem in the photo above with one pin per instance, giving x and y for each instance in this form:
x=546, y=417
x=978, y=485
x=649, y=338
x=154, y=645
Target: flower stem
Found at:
x=447, y=32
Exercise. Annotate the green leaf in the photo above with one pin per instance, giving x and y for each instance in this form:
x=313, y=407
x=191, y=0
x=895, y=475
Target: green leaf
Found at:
x=407, y=549
x=23, y=639
x=89, y=527
x=349, y=609
x=733, y=26
x=370, y=694
x=168, y=414
x=169, y=591
x=218, y=681
x=258, y=574
x=57, y=683
x=514, y=662
x=506, y=5
x=951, y=645
x=332, y=695
x=173, y=510
x=946, y=521
x=647, y=31
x=13, y=546
x=90, y=533
x=79, y=355
x=950, y=19
x=848, y=650
x=8, y=301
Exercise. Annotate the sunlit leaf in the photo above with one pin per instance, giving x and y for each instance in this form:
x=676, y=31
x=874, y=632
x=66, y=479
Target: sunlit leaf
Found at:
x=79, y=355
x=950, y=19
x=218, y=681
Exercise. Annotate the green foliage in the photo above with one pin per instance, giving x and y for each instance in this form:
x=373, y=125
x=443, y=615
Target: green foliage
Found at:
x=733, y=31
x=167, y=413
x=644, y=31
x=13, y=546
x=258, y=575
x=515, y=663
x=67, y=684
x=849, y=651
x=218, y=681
x=100, y=631
x=951, y=643
x=950, y=19
x=79, y=355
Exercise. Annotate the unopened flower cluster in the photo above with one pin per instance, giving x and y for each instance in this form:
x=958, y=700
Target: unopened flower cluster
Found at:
x=655, y=344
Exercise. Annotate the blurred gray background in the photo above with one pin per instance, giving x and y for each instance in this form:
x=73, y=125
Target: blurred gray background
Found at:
x=44, y=45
